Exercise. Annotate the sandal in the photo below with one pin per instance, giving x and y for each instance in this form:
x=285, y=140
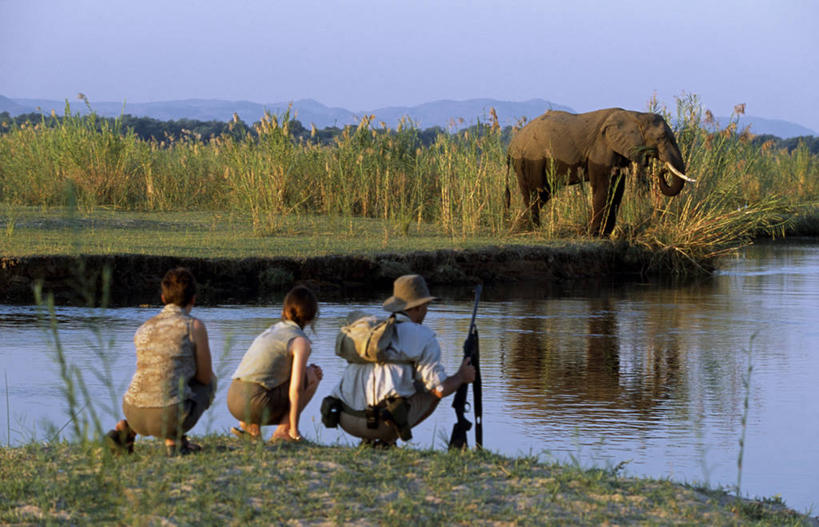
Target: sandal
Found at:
x=190, y=447
x=242, y=433
x=121, y=441
x=183, y=449
x=238, y=432
x=284, y=440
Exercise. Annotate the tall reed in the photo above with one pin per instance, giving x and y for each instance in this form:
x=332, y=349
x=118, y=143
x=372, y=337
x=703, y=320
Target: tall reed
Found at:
x=742, y=191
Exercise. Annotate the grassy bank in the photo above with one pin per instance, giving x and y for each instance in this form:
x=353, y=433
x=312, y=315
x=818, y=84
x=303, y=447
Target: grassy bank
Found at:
x=26, y=231
x=379, y=186
x=240, y=483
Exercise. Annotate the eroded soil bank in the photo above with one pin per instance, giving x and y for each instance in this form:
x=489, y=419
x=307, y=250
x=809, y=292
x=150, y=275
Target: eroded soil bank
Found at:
x=134, y=279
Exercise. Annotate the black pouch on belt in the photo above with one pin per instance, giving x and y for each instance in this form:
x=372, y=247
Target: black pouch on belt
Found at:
x=396, y=414
x=371, y=414
x=330, y=411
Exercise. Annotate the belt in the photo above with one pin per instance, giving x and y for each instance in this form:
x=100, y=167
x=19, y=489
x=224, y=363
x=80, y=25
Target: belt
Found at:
x=362, y=413
x=350, y=411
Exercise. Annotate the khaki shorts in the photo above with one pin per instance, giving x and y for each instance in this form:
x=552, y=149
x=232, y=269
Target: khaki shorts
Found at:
x=252, y=403
x=171, y=421
x=421, y=406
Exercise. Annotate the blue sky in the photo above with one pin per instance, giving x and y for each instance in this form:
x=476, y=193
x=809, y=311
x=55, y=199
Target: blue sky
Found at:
x=367, y=54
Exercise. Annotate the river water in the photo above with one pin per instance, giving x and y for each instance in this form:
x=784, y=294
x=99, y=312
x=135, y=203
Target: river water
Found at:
x=648, y=378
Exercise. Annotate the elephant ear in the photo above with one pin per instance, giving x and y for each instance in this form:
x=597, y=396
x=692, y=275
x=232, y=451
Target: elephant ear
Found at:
x=622, y=133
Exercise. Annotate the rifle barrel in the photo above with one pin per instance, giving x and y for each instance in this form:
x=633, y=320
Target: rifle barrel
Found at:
x=478, y=289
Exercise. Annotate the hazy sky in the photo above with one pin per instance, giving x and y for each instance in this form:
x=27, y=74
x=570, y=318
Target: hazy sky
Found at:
x=367, y=54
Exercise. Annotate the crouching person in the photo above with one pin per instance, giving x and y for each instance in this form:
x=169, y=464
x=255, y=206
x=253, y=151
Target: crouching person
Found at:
x=382, y=401
x=174, y=382
x=273, y=383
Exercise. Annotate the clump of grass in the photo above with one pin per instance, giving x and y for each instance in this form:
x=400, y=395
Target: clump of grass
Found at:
x=741, y=193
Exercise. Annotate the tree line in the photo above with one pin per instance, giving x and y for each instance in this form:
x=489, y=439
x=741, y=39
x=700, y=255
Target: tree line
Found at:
x=150, y=129
x=790, y=144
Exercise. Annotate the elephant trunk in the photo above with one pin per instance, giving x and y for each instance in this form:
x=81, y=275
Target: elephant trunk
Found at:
x=673, y=163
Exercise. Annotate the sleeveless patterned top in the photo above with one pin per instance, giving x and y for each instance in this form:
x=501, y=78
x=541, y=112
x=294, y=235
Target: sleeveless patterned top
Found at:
x=166, y=360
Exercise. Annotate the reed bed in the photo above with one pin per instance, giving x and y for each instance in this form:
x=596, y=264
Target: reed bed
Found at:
x=454, y=186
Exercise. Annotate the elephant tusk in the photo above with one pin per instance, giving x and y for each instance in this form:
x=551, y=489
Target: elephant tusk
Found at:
x=679, y=174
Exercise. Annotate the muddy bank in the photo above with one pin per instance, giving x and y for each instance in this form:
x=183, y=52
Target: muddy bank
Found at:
x=134, y=279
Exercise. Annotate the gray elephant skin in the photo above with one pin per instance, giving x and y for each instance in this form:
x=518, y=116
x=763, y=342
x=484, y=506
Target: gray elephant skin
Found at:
x=561, y=148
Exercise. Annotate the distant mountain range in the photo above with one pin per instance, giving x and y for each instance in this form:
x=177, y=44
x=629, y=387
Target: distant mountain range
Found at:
x=445, y=113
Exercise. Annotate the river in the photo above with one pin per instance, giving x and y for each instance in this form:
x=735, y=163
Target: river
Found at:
x=647, y=378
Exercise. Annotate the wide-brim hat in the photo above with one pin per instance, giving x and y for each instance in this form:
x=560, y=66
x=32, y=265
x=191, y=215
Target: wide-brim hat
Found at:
x=408, y=291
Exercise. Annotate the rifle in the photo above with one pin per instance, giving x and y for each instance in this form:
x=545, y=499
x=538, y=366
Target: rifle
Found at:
x=471, y=350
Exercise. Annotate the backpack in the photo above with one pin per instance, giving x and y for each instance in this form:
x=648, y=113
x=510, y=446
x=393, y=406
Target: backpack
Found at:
x=366, y=339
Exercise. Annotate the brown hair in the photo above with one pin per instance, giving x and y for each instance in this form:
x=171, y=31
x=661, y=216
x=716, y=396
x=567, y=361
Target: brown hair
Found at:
x=179, y=287
x=300, y=306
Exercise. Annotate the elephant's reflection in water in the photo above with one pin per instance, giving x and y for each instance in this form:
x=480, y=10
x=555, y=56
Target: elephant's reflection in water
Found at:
x=581, y=364
x=601, y=381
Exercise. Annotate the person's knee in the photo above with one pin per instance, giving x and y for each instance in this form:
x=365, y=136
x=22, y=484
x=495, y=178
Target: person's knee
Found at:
x=422, y=405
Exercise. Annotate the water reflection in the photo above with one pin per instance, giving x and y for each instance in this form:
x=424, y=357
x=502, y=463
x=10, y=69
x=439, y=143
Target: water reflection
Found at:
x=570, y=357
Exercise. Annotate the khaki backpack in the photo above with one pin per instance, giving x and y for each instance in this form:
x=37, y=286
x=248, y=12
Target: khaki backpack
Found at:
x=366, y=339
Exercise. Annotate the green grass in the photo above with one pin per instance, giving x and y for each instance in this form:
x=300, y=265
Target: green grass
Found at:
x=238, y=483
x=26, y=231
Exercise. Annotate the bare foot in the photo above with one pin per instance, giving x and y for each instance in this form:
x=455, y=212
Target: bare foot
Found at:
x=253, y=430
x=282, y=433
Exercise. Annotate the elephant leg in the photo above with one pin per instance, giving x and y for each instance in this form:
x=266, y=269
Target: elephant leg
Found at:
x=529, y=179
x=544, y=195
x=540, y=188
x=602, y=194
x=615, y=196
x=599, y=198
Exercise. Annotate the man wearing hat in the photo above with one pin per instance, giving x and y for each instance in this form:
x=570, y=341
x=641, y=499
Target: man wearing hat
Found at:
x=382, y=401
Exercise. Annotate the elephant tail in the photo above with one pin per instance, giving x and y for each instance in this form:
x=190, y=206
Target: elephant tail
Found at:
x=507, y=196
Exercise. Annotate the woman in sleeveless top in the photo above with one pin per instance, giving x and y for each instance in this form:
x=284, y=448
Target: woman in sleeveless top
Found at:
x=174, y=382
x=273, y=382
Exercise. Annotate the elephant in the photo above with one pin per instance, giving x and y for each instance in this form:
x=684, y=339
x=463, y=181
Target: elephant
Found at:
x=565, y=148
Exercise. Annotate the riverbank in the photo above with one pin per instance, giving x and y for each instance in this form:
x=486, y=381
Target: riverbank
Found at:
x=133, y=278
x=235, y=482
x=70, y=253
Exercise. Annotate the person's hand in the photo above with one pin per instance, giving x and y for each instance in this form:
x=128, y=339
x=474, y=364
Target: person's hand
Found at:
x=467, y=370
x=317, y=371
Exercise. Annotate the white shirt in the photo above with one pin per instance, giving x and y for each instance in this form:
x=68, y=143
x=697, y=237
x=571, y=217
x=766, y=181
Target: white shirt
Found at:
x=370, y=383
